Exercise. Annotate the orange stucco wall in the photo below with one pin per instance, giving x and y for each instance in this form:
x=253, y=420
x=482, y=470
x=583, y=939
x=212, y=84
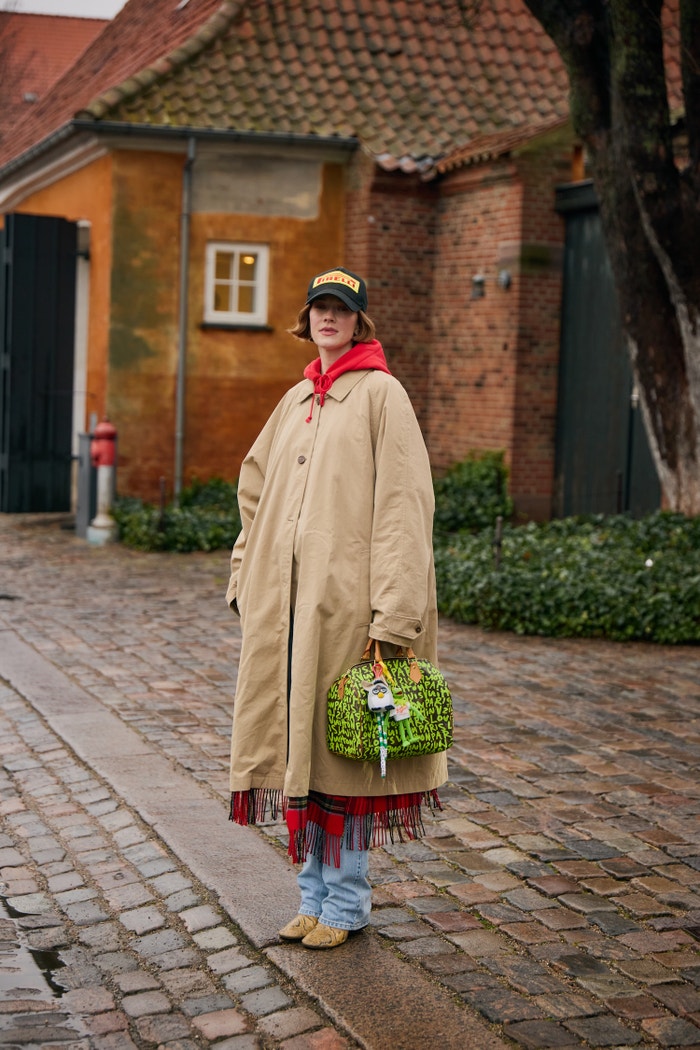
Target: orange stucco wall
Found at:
x=87, y=195
x=143, y=335
x=233, y=378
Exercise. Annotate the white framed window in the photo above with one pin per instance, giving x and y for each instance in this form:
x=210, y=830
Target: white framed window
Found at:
x=235, y=283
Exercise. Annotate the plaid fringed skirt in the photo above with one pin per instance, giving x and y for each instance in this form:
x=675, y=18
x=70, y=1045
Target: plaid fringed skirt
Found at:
x=318, y=823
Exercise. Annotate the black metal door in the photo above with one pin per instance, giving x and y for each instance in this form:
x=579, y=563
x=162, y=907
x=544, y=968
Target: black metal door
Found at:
x=37, y=319
x=603, y=462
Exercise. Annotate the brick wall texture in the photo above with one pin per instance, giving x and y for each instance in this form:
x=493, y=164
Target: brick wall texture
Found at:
x=481, y=371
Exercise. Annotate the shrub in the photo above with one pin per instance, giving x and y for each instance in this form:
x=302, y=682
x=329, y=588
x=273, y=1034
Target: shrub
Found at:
x=605, y=577
x=206, y=519
x=472, y=494
x=594, y=577
x=215, y=494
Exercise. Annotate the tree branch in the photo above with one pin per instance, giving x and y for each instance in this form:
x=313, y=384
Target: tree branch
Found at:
x=579, y=31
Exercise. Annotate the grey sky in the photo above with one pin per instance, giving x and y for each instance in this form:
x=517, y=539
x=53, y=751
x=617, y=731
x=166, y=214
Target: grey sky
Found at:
x=83, y=8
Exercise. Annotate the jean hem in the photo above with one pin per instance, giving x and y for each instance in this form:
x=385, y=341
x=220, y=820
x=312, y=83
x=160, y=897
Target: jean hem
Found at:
x=341, y=926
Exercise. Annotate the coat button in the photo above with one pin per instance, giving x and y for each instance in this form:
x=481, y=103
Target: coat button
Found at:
x=302, y=459
x=418, y=629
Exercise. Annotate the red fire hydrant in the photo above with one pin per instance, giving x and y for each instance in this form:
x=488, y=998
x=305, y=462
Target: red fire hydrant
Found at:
x=103, y=447
x=103, y=454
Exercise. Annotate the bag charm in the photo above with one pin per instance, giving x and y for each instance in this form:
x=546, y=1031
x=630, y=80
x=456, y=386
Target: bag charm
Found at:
x=380, y=701
x=385, y=709
x=384, y=705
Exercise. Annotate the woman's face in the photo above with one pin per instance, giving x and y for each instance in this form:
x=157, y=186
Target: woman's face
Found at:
x=332, y=325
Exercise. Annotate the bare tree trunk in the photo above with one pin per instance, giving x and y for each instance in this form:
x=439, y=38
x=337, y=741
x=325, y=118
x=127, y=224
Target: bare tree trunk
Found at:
x=613, y=51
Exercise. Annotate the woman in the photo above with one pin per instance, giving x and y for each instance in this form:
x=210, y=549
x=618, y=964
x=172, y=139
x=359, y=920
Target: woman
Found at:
x=336, y=504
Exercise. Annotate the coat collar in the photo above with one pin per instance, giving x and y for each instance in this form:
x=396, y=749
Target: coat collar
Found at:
x=340, y=389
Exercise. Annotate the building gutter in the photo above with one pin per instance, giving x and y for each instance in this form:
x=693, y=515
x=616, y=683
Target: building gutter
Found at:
x=55, y=139
x=116, y=127
x=185, y=220
x=140, y=131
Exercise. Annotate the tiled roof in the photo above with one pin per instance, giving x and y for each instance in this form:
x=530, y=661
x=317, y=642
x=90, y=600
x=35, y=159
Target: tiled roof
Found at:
x=409, y=79
x=137, y=37
x=34, y=51
x=485, y=147
x=413, y=81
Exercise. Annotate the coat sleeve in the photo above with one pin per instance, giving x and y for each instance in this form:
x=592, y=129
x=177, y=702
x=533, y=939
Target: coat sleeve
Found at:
x=401, y=578
x=250, y=485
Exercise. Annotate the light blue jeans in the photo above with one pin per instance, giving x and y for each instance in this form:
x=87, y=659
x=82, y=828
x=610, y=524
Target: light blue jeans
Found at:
x=339, y=897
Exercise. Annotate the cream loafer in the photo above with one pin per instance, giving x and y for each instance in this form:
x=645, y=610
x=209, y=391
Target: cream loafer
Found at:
x=298, y=928
x=323, y=936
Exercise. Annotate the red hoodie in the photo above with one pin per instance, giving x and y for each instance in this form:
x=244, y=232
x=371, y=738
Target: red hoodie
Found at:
x=359, y=357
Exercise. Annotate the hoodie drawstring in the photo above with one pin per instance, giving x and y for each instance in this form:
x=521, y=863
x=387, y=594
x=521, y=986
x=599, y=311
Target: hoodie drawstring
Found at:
x=322, y=385
x=363, y=356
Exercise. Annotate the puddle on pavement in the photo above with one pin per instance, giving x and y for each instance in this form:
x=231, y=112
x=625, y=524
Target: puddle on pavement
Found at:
x=24, y=972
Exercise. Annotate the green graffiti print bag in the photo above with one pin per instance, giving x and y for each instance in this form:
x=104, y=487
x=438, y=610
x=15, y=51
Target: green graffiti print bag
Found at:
x=386, y=709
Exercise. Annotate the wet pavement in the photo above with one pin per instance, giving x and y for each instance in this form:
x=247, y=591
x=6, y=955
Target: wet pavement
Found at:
x=555, y=902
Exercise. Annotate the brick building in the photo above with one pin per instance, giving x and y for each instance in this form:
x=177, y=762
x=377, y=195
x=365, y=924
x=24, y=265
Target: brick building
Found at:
x=213, y=155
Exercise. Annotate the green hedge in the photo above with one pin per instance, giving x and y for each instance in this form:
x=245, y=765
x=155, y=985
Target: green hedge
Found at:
x=206, y=519
x=472, y=494
x=469, y=496
x=604, y=577
x=600, y=577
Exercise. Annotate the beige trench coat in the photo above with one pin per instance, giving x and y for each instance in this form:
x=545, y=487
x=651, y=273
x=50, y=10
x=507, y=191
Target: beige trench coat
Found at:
x=336, y=523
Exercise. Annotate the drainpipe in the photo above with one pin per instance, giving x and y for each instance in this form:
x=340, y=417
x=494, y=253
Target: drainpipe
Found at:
x=182, y=318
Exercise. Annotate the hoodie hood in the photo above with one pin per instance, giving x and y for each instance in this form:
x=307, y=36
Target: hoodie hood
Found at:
x=358, y=358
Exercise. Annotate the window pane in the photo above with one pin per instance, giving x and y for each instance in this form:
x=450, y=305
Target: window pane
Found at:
x=246, y=266
x=222, y=297
x=222, y=265
x=237, y=284
x=246, y=300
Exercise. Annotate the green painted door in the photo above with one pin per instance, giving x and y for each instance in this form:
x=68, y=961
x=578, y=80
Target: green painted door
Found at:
x=603, y=462
x=37, y=315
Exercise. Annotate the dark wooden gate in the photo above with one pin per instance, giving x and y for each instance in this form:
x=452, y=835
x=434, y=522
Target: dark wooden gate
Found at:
x=603, y=462
x=37, y=319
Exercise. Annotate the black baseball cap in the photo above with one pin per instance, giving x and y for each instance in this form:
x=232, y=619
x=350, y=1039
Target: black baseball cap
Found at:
x=347, y=286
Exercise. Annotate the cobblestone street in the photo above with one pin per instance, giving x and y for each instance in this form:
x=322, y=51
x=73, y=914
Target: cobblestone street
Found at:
x=555, y=902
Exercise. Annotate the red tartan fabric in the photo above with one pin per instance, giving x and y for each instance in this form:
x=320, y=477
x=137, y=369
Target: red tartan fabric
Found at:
x=317, y=824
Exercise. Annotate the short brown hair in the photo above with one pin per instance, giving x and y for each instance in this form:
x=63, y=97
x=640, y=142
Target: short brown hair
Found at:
x=365, y=330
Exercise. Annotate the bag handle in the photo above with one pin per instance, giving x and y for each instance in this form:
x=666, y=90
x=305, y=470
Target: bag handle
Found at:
x=402, y=653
